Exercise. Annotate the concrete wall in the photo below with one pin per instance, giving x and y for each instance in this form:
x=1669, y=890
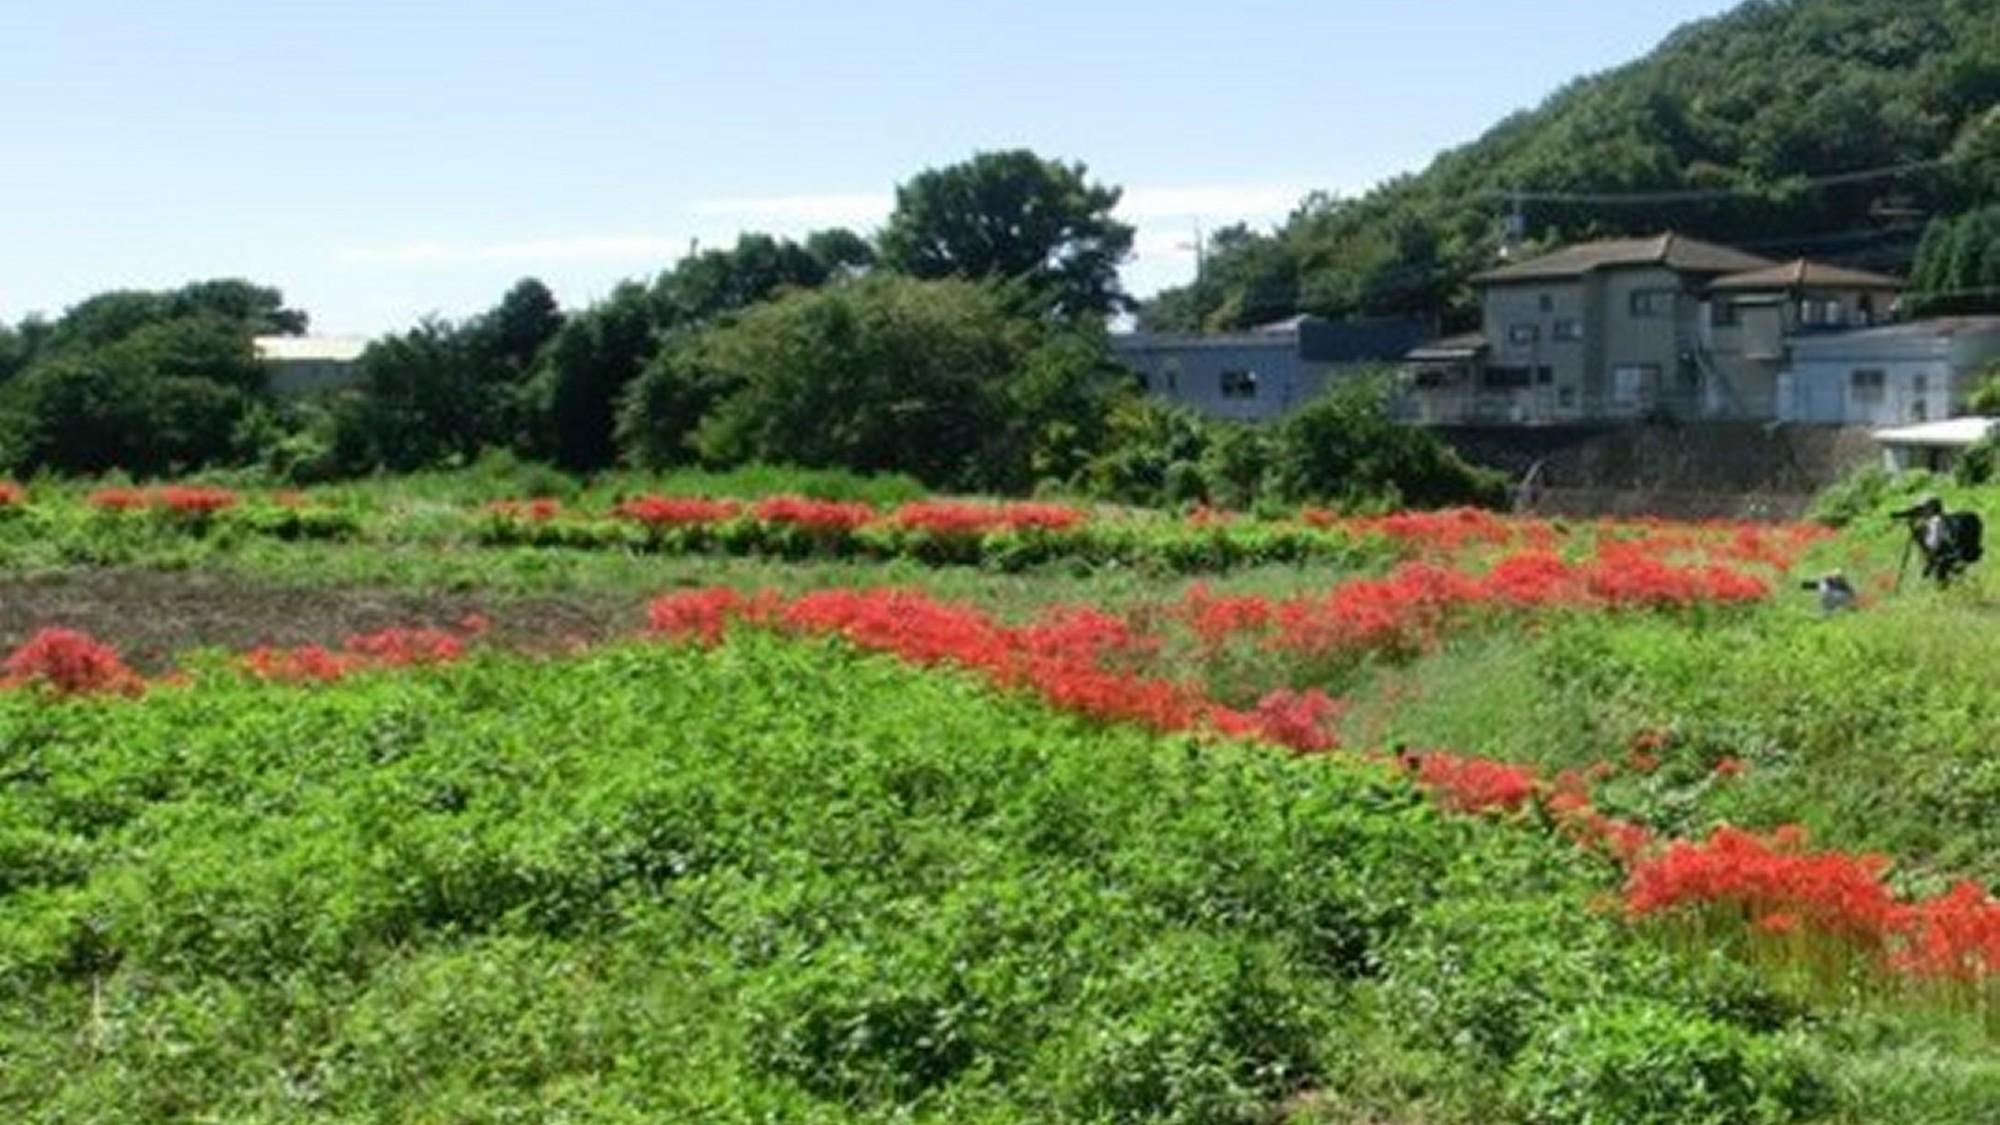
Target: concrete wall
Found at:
x=1741, y=469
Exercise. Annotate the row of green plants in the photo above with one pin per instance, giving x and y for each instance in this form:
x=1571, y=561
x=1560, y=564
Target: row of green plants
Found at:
x=119, y=522
x=859, y=892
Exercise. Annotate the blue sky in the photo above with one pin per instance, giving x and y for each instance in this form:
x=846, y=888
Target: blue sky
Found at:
x=384, y=161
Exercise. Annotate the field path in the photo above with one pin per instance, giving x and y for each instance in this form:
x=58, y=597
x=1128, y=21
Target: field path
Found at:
x=152, y=617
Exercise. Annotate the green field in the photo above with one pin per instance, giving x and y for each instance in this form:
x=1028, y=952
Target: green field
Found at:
x=781, y=879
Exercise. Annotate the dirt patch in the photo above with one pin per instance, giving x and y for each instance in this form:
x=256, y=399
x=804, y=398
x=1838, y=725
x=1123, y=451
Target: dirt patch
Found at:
x=155, y=617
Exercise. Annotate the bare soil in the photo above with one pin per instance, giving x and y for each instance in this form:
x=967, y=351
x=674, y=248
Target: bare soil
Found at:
x=153, y=618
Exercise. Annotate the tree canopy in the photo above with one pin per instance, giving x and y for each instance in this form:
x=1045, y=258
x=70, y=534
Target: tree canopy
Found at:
x=1014, y=217
x=885, y=373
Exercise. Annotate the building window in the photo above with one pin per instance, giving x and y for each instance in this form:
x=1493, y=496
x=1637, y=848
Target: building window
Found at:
x=1566, y=397
x=1652, y=302
x=1821, y=313
x=1632, y=385
x=1523, y=333
x=1239, y=384
x=1544, y=376
x=1865, y=386
x=1566, y=330
x=1546, y=303
x=1506, y=378
x=1725, y=314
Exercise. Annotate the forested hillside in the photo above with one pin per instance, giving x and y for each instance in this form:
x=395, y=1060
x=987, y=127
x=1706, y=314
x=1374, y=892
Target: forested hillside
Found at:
x=1834, y=129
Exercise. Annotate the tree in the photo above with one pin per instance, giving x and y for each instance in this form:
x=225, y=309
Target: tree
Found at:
x=583, y=373
x=412, y=395
x=1345, y=448
x=1958, y=264
x=515, y=331
x=1016, y=218
x=260, y=309
x=716, y=282
x=885, y=373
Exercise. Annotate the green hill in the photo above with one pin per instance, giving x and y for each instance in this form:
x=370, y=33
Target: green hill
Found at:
x=1833, y=129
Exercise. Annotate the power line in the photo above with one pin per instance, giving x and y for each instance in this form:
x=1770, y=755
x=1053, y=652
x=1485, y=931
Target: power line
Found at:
x=1700, y=195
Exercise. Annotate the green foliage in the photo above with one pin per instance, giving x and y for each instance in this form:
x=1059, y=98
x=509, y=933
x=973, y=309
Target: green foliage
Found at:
x=1645, y=1063
x=881, y=374
x=1345, y=448
x=584, y=371
x=143, y=381
x=857, y=893
x=1957, y=269
x=1014, y=218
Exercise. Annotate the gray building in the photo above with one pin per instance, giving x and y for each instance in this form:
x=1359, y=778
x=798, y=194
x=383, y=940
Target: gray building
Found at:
x=1262, y=373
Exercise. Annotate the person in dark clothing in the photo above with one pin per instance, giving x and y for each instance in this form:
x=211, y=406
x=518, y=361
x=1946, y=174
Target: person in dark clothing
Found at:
x=1948, y=541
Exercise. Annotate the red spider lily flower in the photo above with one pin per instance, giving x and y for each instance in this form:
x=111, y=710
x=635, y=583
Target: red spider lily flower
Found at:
x=1466, y=783
x=118, y=499
x=12, y=495
x=1954, y=936
x=400, y=647
x=699, y=614
x=1300, y=720
x=823, y=516
x=67, y=662
x=1730, y=767
x=1833, y=892
x=192, y=500
x=675, y=511
x=542, y=509
x=305, y=664
x=957, y=518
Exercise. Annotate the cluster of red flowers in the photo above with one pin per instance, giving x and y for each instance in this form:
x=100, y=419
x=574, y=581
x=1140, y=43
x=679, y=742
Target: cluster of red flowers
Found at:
x=179, y=499
x=1778, y=885
x=386, y=648
x=1778, y=546
x=828, y=517
x=1403, y=612
x=675, y=511
x=1466, y=783
x=12, y=494
x=956, y=518
x=1080, y=660
x=541, y=509
x=66, y=662
x=1446, y=532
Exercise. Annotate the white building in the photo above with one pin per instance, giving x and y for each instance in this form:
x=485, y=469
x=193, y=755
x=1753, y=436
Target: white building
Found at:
x=1891, y=375
x=301, y=365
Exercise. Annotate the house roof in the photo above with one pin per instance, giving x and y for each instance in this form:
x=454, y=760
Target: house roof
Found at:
x=1465, y=345
x=1948, y=432
x=1361, y=340
x=1932, y=328
x=1673, y=251
x=297, y=349
x=1800, y=273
